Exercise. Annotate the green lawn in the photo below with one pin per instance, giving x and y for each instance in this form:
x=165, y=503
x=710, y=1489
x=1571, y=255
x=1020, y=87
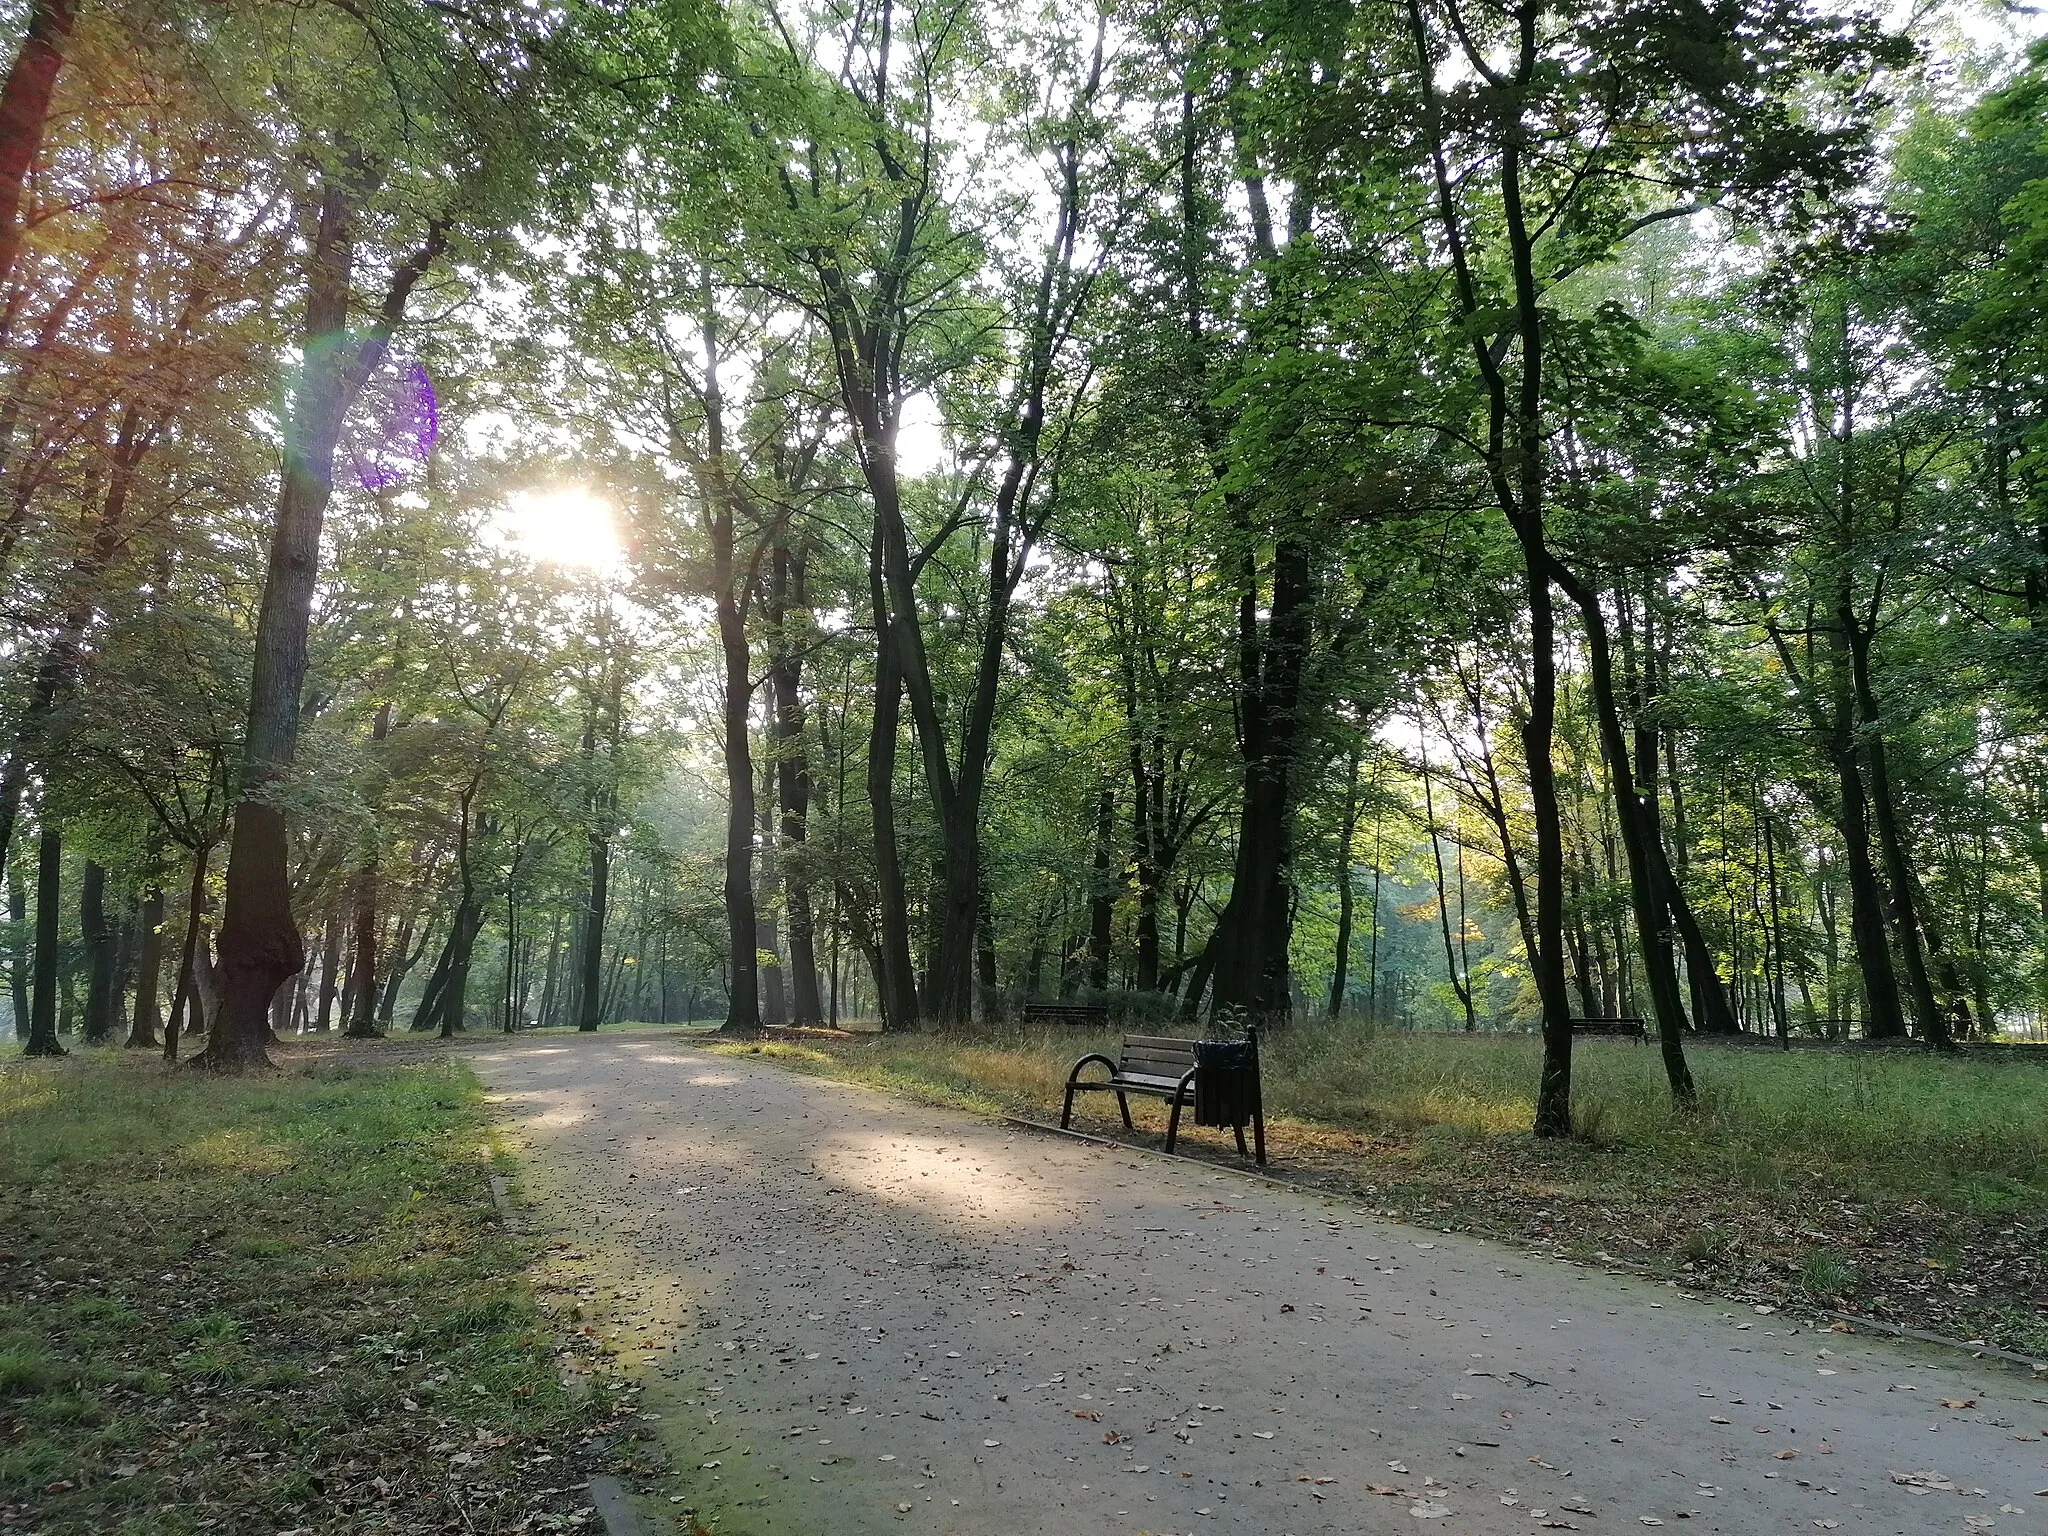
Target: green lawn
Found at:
x=280, y=1304
x=1894, y=1185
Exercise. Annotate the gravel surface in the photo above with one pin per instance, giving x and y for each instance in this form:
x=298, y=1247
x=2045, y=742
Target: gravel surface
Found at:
x=856, y=1314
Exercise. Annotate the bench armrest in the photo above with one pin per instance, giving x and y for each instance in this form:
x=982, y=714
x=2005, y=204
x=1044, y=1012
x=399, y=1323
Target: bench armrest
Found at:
x=1075, y=1075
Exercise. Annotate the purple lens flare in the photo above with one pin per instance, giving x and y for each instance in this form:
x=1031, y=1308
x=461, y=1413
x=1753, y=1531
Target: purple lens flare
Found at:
x=393, y=426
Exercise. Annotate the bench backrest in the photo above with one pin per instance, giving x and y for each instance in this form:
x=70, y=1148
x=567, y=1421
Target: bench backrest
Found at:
x=1156, y=1056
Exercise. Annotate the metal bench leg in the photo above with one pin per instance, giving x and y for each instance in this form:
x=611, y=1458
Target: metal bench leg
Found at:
x=1124, y=1104
x=1259, y=1134
x=1173, y=1124
x=1067, y=1109
x=1242, y=1149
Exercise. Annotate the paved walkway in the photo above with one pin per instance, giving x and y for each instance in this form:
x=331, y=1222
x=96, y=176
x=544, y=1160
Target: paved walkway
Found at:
x=857, y=1314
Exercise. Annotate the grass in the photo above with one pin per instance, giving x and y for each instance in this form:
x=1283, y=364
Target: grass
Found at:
x=271, y=1305
x=1902, y=1186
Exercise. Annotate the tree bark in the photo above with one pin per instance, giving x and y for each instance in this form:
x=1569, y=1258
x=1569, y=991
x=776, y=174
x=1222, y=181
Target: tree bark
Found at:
x=728, y=596
x=42, y=1034
x=101, y=998
x=1652, y=893
x=895, y=981
x=1103, y=891
x=146, y=1021
x=1340, y=972
x=330, y=968
x=18, y=953
x=260, y=944
x=788, y=589
x=24, y=110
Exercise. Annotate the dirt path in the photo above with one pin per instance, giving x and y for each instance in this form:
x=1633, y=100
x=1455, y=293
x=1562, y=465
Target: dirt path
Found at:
x=861, y=1315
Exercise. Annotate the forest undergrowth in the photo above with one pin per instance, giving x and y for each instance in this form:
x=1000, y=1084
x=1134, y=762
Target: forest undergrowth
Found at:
x=1890, y=1185
x=279, y=1305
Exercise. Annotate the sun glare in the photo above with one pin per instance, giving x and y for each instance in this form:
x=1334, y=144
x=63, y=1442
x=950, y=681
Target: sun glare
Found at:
x=563, y=525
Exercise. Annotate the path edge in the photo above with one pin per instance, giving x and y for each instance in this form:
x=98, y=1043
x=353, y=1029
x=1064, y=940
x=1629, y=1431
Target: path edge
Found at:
x=2037, y=1368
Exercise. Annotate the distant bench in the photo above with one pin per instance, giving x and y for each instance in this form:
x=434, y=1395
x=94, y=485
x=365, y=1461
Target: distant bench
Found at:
x=1628, y=1028
x=1161, y=1067
x=1092, y=1015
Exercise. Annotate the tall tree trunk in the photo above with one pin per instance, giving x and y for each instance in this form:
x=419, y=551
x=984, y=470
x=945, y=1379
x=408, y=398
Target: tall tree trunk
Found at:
x=145, y=1022
x=453, y=1010
x=1928, y=1017
x=742, y=921
x=359, y=1006
x=789, y=596
x=260, y=945
x=330, y=973
x=1251, y=974
x=895, y=981
x=18, y=952
x=404, y=957
x=24, y=110
x=550, y=976
x=184, y=991
x=1461, y=986
x=1103, y=891
x=1340, y=972
x=42, y=1034
x=102, y=993
x=1654, y=894
x=590, y=961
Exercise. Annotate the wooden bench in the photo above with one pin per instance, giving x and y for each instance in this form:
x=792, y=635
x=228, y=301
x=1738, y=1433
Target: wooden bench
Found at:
x=1161, y=1067
x=1630, y=1028
x=1092, y=1015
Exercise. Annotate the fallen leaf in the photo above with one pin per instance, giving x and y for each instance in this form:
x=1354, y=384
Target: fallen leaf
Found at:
x=1959, y=1402
x=1428, y=1511
x=1087, y=1413
x=1924, y=1482
x=1784, y=1455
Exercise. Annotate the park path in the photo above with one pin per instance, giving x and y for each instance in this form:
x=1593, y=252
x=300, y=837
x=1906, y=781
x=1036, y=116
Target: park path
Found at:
x=857, y=1314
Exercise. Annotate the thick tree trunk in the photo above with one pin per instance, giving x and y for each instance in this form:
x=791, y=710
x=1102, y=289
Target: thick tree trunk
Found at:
x=1554, y=1086
x=788, y=596
x=452, y=1012
x=359, y=1007
x=742, y=921
x=1249, y=948
x=590, y=961
x=42, y=1034
x=101, y=998
x=24, y=110
x=895, y=982
x=260, y=945
x=146, y=1021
